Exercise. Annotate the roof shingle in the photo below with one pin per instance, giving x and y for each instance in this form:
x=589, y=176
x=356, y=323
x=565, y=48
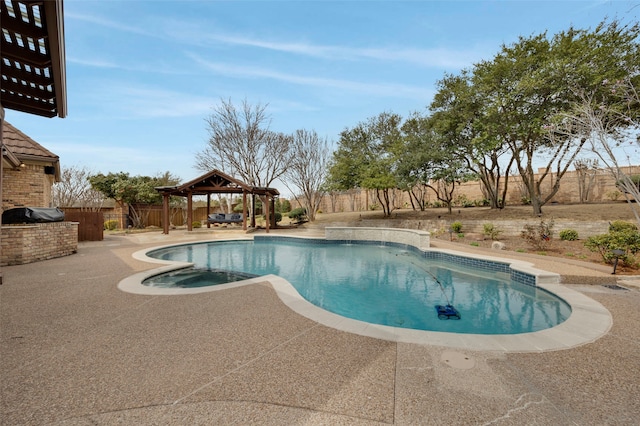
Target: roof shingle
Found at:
x=20, y=144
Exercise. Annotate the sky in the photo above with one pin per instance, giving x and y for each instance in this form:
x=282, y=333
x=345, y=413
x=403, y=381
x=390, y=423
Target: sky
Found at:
x=143, y=76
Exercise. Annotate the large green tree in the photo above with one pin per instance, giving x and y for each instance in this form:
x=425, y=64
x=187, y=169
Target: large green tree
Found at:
x=366, y=158
x=427, y=159
x=457, y=115
x=528, y=83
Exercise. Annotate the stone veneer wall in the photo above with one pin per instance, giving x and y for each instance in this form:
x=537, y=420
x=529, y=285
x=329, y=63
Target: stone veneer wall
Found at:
x=507, y=227
x=39, y=241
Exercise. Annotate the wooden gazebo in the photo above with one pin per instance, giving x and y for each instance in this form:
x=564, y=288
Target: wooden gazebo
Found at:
x=216, y=182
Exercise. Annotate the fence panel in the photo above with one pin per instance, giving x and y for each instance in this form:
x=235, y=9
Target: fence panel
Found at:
x=91, y=224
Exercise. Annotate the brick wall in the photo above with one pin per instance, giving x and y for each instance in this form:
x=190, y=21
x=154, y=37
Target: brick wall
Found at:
x=27, y=186
x=39, y=241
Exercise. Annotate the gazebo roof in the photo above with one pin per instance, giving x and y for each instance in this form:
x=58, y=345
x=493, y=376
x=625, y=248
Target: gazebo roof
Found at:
x=215, y=182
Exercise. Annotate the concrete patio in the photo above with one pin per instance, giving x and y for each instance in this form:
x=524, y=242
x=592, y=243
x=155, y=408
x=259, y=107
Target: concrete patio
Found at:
x=75, y=350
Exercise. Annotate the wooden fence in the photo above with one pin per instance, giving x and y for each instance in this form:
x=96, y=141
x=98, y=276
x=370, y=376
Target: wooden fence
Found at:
x=90, y=224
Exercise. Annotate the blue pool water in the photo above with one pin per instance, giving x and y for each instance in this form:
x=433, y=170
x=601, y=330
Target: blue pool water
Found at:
x=379, y=284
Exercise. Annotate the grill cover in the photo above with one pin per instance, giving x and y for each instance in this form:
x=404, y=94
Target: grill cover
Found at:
x=32, y=215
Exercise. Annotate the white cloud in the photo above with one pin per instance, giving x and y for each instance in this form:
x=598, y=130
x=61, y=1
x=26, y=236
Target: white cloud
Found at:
x=439, y=57
x=371, y=88
x=121, y=101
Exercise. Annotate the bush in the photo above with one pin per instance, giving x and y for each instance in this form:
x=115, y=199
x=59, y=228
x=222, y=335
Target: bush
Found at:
x=111, y=225
x=627, y=240
x=491, y=231
x=456, y=226
x=463, y=201
x=614, y=195
x=298, y=214
x=621, y=226
x=278, y=217
x=538, y=236
x=283, y=205
x=196, y=224
x=568, y=235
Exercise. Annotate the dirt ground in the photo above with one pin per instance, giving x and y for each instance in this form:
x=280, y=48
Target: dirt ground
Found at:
x=557, y=248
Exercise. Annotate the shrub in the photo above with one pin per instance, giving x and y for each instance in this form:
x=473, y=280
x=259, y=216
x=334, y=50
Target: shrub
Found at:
x=196, y=224
x=474, y=244
x=614, y=195
x=568, y=235
x=627, y=240
x=538, y=236
x=456, y=226
x=278, y=217
x=283, y=205
x=298, y=214
x=491, y=231
x=621, y=226
x=463, y=201
x=111, y=225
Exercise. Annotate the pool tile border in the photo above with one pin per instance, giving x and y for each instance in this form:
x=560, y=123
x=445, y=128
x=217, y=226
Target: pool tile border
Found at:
x=589, y=320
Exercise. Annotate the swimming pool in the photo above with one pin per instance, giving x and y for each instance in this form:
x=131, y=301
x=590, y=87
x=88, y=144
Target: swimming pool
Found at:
x=388, y=284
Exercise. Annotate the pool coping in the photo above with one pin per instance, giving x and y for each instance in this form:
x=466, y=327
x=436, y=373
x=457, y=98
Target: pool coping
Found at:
x=589, y=320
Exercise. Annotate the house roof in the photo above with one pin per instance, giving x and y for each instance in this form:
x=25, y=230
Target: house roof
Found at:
x=21, y=147
x=32, y=56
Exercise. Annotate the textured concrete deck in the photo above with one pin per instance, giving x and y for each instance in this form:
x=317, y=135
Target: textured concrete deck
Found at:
x=75, y=350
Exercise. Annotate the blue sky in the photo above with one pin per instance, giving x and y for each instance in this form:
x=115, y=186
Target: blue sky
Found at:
x=142, y=76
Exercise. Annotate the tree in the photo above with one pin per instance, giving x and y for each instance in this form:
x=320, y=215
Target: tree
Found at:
x=74, y=189
x=608, y=125
x=427, y=159
x=307, y=169
x=240, y=143
x=457, y=114
x=366, y=158
x=586, y=171
x=530, y=82
x=135, y=191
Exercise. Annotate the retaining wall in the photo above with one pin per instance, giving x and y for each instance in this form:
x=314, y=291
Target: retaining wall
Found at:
x=507, y=227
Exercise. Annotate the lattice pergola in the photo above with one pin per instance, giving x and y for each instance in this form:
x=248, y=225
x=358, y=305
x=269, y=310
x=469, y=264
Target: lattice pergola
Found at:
x=32, y=63
x=33, y=57
x=217, y=182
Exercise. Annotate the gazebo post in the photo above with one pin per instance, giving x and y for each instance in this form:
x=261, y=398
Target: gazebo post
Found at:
x=208, y=208
x=273, y=209
x=267, y=220
x=244, y=210
x=189, y=211
x=253, y=210
x=165, y=213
